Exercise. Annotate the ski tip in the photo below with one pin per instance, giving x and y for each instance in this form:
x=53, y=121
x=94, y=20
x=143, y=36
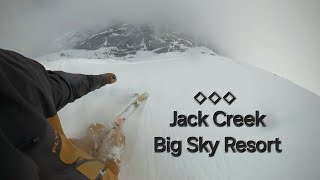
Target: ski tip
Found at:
x=146, y=94
x=143, y=96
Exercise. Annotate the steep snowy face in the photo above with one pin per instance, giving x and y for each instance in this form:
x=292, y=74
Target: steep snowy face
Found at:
x=149, y=63
x=123, y=41
x=292, y=115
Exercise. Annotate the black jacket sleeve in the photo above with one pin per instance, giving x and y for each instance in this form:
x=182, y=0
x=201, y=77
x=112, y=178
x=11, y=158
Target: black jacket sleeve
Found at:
x=15, y=165
x=67, y=87
x=29, y=94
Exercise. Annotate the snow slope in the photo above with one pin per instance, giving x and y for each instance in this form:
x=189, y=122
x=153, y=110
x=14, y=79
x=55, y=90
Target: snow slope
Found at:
x=172, y=81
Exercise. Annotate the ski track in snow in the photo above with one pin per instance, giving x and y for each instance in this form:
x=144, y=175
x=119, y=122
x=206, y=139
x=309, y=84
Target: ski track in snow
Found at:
x=172, y=81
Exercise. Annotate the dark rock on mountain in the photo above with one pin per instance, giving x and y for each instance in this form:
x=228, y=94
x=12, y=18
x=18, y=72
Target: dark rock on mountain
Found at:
x=125, y=39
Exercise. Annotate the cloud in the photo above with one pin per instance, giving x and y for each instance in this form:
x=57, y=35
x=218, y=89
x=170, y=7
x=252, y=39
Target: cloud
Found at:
x=279, y=36
x=29, y=27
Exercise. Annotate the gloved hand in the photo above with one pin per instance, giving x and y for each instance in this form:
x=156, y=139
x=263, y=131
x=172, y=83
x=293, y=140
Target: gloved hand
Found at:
x=104, y=144
x=111, y=78
x=112, y=146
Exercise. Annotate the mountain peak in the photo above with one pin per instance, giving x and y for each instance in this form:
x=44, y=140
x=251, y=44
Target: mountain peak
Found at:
x=127, y=39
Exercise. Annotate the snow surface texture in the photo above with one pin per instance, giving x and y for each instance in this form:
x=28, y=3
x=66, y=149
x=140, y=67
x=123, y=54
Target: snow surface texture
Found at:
x=172, y=80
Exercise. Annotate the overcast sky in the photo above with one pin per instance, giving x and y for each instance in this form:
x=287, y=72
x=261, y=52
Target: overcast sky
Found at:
x=280, y=36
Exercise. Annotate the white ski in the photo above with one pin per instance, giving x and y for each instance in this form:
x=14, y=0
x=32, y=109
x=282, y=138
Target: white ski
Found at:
x=130, y=109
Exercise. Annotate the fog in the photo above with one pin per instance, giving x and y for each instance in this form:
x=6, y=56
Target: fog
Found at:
x=280, y=36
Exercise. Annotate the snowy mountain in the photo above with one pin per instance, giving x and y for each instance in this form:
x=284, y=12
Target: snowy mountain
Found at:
x=71, y=39
x=173, y=79
x=125, y=41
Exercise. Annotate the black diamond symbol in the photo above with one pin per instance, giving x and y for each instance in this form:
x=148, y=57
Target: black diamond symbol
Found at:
x=200, y=97
x=229, y=98
x=214, y=98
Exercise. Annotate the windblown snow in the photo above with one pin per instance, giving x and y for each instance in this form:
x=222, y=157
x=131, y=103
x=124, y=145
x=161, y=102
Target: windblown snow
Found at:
x=172, y=80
